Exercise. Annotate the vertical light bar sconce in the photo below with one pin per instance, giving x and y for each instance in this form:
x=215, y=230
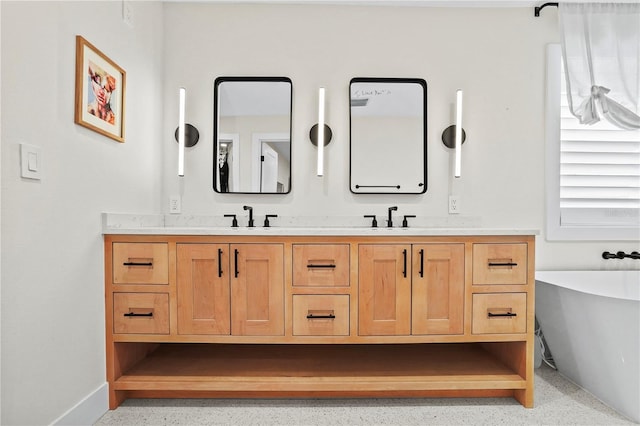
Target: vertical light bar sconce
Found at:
x=454, y=136
x=186, y=134
x=320, y=132
x=458, y=161
x=181, y=106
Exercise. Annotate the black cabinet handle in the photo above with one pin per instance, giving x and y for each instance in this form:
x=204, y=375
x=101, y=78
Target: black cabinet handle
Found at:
x=320, y=266
x=421, y=263
x=404, y=265
x=133, y=314
x=235, y=257
x=219, y=262
x=503, y=264
x=329, y=316
x=138, y=263
x=506, y=314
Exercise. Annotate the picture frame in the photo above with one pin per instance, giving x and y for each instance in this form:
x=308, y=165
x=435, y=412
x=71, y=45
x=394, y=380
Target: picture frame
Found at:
x=100, y=91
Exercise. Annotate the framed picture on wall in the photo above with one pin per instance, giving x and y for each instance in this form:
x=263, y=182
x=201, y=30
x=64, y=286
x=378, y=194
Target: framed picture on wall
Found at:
x=100, y=91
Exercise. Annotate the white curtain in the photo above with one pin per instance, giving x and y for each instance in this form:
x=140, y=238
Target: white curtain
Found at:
x=601, y=54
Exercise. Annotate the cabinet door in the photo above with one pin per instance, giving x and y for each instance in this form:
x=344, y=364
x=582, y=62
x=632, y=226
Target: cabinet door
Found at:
x=203, y=289
x=438, y=289
x=384, y=295
x=257, y=290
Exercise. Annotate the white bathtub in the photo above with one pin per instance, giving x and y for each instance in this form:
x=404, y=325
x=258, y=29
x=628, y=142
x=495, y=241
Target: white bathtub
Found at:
x=591, y=322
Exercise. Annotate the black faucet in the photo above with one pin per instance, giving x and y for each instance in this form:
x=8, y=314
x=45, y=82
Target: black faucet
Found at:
x=250, y=225
x=374, y=222
x=390, y=221
x=234, y=223
x=266, y=219
x=405, y=223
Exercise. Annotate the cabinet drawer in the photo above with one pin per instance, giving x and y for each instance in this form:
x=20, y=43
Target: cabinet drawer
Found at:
x=499, y=264
x=499, y=313
x=140, y=263
x=320, y=315
x=141, y=313
x=320, y=265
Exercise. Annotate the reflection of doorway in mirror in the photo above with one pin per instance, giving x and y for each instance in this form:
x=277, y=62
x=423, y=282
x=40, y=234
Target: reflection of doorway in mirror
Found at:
x=270, y=162
x=269, y=169
x=228, y=169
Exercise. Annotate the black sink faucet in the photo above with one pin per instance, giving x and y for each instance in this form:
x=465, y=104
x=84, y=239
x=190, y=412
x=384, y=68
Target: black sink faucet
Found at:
x=266, y=219
x=250, y=225
x=390, y=220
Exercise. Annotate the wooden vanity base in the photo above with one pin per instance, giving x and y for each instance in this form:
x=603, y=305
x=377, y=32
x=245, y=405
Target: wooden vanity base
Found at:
x=149, y=358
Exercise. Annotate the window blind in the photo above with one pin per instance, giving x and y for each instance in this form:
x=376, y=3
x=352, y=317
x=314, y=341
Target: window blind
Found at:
x=599, y=172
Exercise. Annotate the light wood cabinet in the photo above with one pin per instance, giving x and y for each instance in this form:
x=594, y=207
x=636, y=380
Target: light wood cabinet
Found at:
x=499, y=313
x=437, y=298
x=384, y=295
x=204, y=289
x=140, y=263
x=411, y=289
x=141, y=313
x=233, y=289
x=257, y=290
x=321, y=265
x=319, y=316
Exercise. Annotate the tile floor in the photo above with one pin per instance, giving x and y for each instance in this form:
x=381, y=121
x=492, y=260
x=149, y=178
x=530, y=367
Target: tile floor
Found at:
x=557, y=402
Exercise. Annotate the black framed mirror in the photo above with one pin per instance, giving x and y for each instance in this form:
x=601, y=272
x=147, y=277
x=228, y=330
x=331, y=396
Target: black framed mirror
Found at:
x=388, y=135
x=252, y=135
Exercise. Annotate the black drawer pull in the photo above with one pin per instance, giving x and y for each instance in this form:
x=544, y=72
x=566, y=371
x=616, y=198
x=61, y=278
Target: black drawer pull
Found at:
x=235, y=261
x=312, y=316
x=404, y=263
x=320, y=266
x=503, y=264
x=133, y=314
x=138, y=263
x=506, y=314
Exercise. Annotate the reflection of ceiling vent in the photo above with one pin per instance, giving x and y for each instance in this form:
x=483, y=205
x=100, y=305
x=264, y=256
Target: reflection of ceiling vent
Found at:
x=359, y=102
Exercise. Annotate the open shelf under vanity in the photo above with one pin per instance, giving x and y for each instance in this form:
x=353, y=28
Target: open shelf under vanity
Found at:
x=249, y=370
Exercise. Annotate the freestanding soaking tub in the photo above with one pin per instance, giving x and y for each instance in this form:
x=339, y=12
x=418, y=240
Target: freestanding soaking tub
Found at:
x=591, y=322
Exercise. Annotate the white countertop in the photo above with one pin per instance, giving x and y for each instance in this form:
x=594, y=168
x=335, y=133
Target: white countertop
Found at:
x=133, y=224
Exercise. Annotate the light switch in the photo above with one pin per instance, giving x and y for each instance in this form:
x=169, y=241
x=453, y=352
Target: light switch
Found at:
x=30, y=161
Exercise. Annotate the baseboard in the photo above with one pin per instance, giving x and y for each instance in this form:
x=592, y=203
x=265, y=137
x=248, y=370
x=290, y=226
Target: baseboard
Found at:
x=87, y=411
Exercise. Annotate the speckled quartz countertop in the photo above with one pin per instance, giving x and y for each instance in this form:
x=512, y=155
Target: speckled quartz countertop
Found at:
x=149, y=224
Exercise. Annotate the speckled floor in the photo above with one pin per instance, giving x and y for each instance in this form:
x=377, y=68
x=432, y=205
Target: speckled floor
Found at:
x=557, y=402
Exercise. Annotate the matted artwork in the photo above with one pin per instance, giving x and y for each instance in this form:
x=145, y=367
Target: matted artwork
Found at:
x=100, y=91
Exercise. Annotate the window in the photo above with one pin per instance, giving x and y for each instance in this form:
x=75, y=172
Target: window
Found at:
x=592, y=173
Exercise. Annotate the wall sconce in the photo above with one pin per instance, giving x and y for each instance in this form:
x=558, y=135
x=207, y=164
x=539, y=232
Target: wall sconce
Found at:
x=320, y=132
x=186, y=134
x=454, y=135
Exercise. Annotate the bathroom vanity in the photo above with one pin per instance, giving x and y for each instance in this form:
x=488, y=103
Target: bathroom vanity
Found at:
x=319, y=313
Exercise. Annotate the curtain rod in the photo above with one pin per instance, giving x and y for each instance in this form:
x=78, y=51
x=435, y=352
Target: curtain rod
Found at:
x=537, y=9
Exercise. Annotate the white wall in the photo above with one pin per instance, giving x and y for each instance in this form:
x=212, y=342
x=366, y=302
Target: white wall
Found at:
x=53, y=352
x=497, y=55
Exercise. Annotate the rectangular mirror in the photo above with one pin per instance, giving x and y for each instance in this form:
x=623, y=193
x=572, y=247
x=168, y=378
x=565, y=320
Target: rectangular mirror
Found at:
x=252, y=135
x=388, y=125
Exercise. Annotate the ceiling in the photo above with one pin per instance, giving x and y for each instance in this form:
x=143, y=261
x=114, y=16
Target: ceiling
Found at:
x=429, y=3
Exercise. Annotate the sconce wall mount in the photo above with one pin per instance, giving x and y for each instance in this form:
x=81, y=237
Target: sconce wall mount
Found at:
x=191, y=135
x=449, y=136
x=313, y=135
